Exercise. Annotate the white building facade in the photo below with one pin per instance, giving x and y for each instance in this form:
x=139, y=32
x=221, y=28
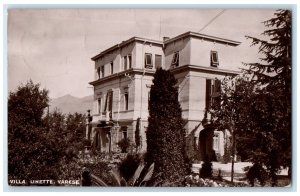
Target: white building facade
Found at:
x=123, y=78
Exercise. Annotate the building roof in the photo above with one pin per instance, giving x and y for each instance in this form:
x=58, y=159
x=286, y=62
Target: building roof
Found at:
x=168, y=41
x=124, y=43
x=203, y=37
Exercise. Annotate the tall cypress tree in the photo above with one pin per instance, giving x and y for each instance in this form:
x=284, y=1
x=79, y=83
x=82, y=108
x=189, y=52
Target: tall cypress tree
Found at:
x=166, y=133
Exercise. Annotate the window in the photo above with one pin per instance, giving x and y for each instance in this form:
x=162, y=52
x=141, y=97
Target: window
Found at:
x=111, y=67
x=124, y=132
x=99, y=109
x=214, y=61
x=148, y=61
x=213, y=90
x=98, y=73
x=216, y=142
x=157, y=61
x=126, y=101
x=129, y=62
x=175, y=60
x=102, y=71
x=125, y=63
x=109, y=103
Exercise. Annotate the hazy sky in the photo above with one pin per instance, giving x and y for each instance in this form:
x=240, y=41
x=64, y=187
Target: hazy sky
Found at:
x=54, y=46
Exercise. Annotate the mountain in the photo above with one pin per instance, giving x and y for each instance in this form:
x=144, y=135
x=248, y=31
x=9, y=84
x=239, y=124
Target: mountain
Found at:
x=70, y=104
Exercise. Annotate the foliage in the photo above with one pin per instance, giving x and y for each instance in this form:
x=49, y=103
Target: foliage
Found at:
x=141, y=177
x=232, y=112
x=101, y=170
x=66, y=132
x=137, y=133
x=226, y=157
x=30, y=154
x=256, y=171
x=197, y=181
x=206, y=169
x=129, y=165
x=272, y=104
x=26, y=106
x=75, y=128
x=256, y=107
x=40, y=145
x=124, y=144
x=165, y=133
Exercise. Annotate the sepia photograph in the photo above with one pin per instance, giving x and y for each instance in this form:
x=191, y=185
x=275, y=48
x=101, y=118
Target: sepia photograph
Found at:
x=150, y=97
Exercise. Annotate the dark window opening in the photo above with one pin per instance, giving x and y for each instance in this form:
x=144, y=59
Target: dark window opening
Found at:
x=213, y=94
x=125, y=62
x=109, y=103
x=175, y=60
x=111, y=67
x=126, y=101
x=214, y=61
x=102, y=71
x=98, y=73
x=124, y=132
x=148, y=61
x=129, y=61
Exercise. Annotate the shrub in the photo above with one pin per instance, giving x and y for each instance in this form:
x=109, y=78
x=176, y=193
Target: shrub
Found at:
x=124, y=144
x=257, y=172
x=101, y=170
x=129, y=165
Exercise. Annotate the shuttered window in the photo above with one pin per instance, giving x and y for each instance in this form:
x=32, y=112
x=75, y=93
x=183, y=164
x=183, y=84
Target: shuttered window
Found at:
x=111, y=67
x=125, y=63
x=158, y=60
x=99, y=106
x=129, y=61
x=214, y=60
x=102, y=71
x=208, y=94
x=98, y=73
x=213, y=92
x=148, y=61
x=108, y=102
x=175, y=60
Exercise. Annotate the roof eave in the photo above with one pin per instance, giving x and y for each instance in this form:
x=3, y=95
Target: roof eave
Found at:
x=124, y=43
x=204, y=37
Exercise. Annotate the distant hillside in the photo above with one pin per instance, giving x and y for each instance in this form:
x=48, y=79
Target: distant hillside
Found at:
x=70, y=104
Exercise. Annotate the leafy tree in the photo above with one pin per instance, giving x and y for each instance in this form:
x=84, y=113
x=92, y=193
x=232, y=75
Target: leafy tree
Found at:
x=166, y=133
x=272, y=106
x=256, y=108
x=231, y=113
x=40, y=145
x=75, y=127
x=30, y=154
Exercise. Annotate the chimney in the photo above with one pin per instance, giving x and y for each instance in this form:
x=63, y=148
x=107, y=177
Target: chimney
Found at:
x=166, y=38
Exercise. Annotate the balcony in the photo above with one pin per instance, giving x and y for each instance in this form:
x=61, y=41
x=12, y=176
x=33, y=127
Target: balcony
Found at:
x=104, y=116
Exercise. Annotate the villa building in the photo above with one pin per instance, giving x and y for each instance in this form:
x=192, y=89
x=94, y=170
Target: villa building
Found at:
x=123, y=78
